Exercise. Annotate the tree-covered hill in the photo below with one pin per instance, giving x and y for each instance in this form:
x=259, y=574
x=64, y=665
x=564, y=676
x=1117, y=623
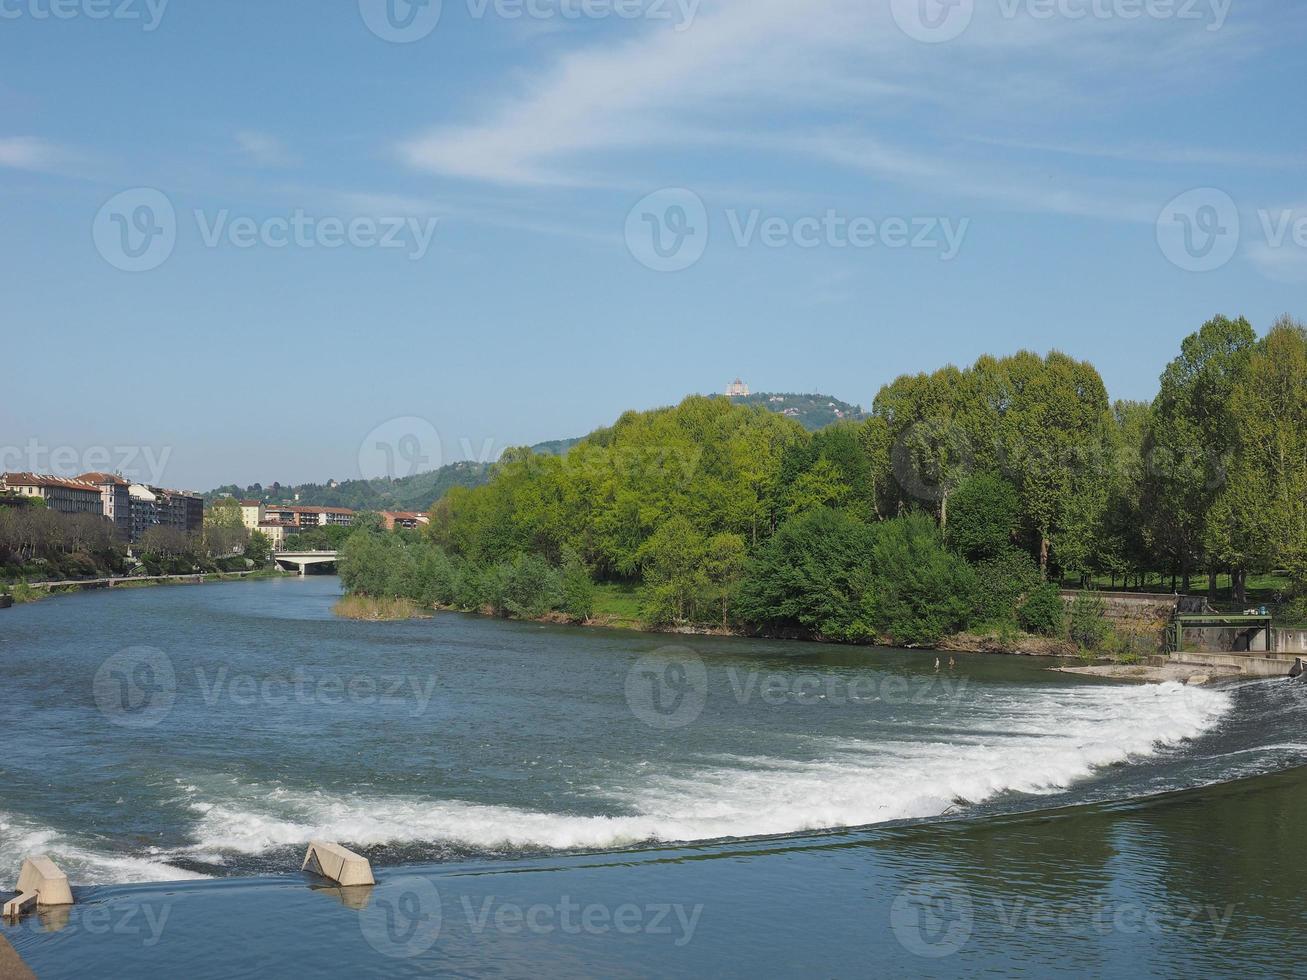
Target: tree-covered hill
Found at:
x=813, y=412
x=420, y=491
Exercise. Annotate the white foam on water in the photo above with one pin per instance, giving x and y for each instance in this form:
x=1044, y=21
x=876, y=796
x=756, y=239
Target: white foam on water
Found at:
x=84, y=865
x=1026, y=740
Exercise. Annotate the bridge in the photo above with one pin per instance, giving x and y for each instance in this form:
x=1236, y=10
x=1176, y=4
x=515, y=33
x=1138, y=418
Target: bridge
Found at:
x=304, y=560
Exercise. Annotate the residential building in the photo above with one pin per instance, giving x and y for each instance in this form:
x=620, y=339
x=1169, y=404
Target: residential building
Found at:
x=144, y=509
x=277, y=532
x=403, y=518
x=115, y=500
x=179, y=509
x=253, y=514
x=64, y=496
x=309, y=517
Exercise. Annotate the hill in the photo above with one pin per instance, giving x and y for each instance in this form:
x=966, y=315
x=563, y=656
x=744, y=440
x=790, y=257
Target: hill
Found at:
x=420, y=491
x=813, y=412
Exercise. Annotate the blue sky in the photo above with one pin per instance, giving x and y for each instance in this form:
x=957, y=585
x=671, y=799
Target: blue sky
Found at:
x=842, y=192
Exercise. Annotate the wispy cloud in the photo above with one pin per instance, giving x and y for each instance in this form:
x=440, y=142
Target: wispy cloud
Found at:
x=30, y=153
x=265, y=150
x=770, y=74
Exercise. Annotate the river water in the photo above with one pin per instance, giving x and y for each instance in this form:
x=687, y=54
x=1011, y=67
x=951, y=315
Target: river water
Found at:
x=827, y=810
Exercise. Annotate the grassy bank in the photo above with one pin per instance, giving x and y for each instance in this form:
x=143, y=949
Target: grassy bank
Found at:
x=378, y=610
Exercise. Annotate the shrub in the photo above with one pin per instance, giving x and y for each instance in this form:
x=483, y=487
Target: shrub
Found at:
x=812, y=572
x=1089, y=626
x=1042, y=612
x=578, y=589
x=531, y=588
x=918, y=591
x=1001, y=582
x=983, y=512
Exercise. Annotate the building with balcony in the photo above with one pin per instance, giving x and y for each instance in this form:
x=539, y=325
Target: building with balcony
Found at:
x=115, y=500
x=61, y=495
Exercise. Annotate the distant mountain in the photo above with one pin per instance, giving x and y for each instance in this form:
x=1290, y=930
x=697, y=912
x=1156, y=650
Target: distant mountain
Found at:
x=417, y=492
x=813, y=412
x=420, y=491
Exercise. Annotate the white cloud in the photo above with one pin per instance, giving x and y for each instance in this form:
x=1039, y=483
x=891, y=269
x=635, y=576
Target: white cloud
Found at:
x=29, y=153
x=838, y=81
x=265, y=150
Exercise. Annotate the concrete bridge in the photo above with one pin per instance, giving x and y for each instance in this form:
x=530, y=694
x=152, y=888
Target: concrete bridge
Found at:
x=303, y=560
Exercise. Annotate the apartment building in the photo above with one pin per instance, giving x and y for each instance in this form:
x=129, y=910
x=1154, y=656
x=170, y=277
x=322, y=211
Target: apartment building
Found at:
x=115, y=500
x=64, y=496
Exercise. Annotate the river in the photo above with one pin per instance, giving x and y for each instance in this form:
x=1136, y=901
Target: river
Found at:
x=847, y=812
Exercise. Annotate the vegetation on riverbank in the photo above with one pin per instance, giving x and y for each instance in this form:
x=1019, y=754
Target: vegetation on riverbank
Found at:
x=956, y=506
x=378, y=609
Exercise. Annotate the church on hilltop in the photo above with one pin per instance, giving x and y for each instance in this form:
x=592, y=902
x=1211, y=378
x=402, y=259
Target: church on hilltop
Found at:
x=737, y=389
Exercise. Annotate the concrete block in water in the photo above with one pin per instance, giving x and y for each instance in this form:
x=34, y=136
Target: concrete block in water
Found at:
x=40, y=883
x=340, y=865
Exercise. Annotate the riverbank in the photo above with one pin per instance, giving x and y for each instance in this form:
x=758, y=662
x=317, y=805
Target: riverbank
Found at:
x=1015, y=643
x=24, y=592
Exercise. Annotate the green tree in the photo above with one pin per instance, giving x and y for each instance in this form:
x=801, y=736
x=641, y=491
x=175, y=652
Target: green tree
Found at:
x=723, y=565
x=986, y=514
x=918, y=591
x=812, y=573
x=1192, y=439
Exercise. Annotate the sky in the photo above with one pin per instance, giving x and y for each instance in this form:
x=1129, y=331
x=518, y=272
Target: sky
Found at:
x=304, y=240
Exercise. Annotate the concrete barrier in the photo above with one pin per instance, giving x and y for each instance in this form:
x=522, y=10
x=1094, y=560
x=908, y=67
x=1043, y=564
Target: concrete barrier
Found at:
x=338, y=864
x=40, y=884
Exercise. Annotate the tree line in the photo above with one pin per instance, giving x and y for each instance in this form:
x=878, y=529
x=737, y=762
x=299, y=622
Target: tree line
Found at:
x=963, y=498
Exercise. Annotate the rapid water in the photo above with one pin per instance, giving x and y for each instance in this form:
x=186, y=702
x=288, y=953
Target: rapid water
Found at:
x=205, y=732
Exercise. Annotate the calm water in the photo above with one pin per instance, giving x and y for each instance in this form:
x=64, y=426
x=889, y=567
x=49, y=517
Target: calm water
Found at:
x=549, y=801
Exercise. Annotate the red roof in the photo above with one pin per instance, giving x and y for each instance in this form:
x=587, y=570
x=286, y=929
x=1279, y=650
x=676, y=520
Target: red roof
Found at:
x=34, y=480
x=98, y=478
